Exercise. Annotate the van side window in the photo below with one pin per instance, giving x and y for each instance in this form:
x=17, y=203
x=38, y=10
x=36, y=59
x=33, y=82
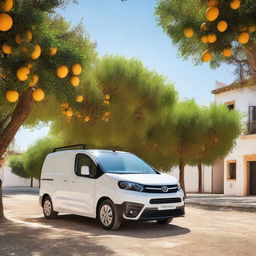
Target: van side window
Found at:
x=84, y=160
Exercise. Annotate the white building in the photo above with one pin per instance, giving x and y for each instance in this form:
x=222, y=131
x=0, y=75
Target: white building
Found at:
x=11, y=180
x=240, y=164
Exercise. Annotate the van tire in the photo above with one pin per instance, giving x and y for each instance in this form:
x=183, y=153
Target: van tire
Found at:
x=48, y=211
x=108, y=215
x=164, y=221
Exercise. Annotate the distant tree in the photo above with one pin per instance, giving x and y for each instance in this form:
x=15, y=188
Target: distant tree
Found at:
x=16, y=164
x=221, y=128
x=218, y=31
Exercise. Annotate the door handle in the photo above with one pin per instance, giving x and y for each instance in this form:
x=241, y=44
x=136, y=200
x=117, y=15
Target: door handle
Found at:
x=65, y=180
x=73, y=180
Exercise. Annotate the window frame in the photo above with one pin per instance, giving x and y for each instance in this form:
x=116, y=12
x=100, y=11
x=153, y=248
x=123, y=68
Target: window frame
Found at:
x=92, y=162
x=230, y=103
x=228, y=170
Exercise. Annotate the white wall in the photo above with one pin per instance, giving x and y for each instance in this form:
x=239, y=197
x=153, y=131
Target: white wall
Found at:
x=191, y=178
x=245, y=145
x=11, y=180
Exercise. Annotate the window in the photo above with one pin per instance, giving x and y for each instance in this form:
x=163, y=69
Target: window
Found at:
x=115, y=162
x=84, y=160
x=231, y=106
x=232, y=170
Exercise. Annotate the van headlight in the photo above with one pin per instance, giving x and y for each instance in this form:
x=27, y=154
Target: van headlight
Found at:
x=179, y=187
x=126, y=185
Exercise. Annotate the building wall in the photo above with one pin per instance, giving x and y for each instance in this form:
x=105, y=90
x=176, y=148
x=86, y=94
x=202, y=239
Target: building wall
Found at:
x=191, y=178
x=11, y=180
x=245, y=144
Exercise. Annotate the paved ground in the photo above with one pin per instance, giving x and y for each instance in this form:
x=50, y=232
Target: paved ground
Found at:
x=247, y=203
x=202, y=232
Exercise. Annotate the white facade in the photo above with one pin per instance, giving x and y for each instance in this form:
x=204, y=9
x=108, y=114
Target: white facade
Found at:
x=191, y=178
x=11, y=180
x=245, y=150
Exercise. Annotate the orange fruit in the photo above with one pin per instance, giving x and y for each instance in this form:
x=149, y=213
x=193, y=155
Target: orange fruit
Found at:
x=38, y=94
x=235, y=4
x=188, y=32
x=36, y=52
x=22, y=73
x=7, y=5
x=75, y=81
x=76, y=69
x=227, y=52
x=62, y=71
x=222, y=25
x=69, y=113
x=212, y=38
x=29, y=36
x=79, y=98
x=206, y=56
x=212, y=13
x=6, y=49
x=12, y=96
x=204, y=39
x=244, y=38
x=53, y=51
x=6, y=22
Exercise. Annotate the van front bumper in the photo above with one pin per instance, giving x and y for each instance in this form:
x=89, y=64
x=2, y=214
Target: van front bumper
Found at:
x=135, y=211
x=151, y=206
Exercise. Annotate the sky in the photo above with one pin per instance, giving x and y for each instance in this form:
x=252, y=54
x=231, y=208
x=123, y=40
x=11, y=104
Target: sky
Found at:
x=130, y=29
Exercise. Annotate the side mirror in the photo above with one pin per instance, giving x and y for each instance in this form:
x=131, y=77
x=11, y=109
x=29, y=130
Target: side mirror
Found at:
x=85, y=170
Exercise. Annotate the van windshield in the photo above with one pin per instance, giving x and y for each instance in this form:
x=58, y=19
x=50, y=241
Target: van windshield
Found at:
x=113, y=162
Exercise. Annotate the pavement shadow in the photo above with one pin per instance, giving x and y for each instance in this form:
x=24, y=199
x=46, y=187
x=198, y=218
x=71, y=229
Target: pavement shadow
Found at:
x=127, y=228
x=20, y=240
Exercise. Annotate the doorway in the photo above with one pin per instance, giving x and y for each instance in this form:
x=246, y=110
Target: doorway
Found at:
x=252, y=175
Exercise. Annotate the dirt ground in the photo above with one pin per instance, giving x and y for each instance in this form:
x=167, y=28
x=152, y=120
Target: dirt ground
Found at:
x=202, y=232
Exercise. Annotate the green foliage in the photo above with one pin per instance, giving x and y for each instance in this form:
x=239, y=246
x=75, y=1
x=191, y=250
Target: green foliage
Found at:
x=49, y=30
x=16, y=164
x=176, y=15
x=138, y=99
x=221, y=128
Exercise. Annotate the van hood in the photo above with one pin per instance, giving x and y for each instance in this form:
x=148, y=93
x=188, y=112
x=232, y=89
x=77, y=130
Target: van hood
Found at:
x=145, y=179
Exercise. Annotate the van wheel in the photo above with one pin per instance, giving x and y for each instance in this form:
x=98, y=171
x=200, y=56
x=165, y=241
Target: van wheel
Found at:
x=48, y=211
x=108, y=216
x=164, y=221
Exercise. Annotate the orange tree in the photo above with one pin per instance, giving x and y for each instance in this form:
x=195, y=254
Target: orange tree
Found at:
x=214, y=31
x=41, y=59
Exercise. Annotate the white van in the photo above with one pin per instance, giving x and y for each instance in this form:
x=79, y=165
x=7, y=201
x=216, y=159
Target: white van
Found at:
x=112, y=186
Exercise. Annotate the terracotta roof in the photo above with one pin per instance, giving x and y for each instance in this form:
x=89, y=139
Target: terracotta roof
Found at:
x=233, y=86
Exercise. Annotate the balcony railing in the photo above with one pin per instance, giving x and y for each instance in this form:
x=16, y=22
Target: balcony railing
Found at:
x=251, y=127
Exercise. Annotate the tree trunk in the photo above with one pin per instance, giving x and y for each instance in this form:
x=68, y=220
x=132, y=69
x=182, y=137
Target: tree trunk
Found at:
x=251, y=58
x=182, y=174
x=31, y=182
x=19, y=115
x=200, y=185
x=1, y=203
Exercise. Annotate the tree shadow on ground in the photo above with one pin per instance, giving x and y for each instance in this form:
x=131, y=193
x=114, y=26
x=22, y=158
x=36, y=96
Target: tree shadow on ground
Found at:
x=20, y=240
x=130, y=229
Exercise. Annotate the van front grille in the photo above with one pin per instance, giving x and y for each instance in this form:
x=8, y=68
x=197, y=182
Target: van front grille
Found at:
x=160, y=189
x=165, y=200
